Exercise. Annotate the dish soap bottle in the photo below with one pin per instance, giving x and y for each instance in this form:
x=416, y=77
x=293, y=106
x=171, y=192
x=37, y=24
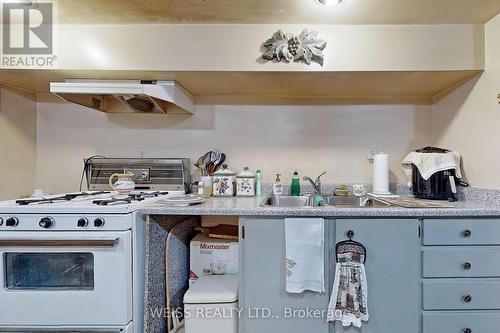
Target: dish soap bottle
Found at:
x=278, y=186
x=295, y=187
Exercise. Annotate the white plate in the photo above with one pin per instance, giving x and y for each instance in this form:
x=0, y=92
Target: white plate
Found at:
x=183, y=200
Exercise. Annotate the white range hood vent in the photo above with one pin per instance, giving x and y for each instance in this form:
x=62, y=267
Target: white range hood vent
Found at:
x=140, y=96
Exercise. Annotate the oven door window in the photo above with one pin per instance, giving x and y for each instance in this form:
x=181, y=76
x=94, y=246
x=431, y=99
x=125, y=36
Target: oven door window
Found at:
x=49, y=271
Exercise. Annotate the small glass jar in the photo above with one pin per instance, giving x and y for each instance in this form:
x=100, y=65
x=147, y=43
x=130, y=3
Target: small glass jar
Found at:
x=207, y=185
x=224, y=182
x=199, y=188
x=245, y=183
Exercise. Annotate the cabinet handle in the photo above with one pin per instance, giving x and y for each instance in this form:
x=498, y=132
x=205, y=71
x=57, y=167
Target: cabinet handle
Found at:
x=466, y=233
x=467, y=330
x=467, y=266
x=467, y=298
x=350, y=234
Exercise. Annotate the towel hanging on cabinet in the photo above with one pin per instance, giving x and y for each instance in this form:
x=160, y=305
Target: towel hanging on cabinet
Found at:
x=349, y=299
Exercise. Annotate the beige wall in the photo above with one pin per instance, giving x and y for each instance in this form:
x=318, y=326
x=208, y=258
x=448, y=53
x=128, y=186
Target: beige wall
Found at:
x=469, y=118
x=17, y=143
x=311, y=139
x=236, y=47
x=281, y=139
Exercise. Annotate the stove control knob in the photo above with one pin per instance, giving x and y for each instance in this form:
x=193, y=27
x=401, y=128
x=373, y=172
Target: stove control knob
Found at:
x=99, y=222
x=47, y=222
x=1, y=221
x=83, y=222
x=12, y=222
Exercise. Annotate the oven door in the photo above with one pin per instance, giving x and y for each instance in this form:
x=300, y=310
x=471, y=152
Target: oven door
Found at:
x=65, y=278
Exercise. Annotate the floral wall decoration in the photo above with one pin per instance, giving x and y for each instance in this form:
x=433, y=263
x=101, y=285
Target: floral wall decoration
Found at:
x=287, y=47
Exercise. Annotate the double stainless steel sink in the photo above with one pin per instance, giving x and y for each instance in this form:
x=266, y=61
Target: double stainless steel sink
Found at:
x=287, y=201
x=330, y=200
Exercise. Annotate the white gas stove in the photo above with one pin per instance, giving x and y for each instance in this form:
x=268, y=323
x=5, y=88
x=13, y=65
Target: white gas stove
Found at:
x=74, y=262
x=88, y=202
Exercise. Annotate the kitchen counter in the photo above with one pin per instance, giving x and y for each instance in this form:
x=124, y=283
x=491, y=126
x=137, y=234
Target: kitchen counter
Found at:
x=473, y=203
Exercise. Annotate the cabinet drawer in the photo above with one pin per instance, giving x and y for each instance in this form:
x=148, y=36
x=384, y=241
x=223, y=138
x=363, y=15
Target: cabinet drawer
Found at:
x=459, y=322
x=461, y=295
x=461, y=262
x=462, y=232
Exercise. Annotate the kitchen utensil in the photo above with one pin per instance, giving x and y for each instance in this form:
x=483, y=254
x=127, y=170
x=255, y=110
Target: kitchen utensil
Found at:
x=210, y=168
x=213, y=162
x=124, y=184
x=215, y=155
x=220, y=162
x=202, y=162
x=198, y=164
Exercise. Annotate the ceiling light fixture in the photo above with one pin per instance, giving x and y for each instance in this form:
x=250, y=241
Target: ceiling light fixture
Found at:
x=329, y=3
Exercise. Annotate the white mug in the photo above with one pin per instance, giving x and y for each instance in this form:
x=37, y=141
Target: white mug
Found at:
x=359, y=190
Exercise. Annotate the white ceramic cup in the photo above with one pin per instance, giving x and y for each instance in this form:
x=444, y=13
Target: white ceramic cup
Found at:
x=359, y=190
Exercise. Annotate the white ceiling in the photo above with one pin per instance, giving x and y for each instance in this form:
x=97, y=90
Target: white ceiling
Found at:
x=277, y=11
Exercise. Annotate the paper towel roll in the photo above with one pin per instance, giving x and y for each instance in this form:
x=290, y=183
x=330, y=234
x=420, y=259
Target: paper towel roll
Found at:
x=381, y=174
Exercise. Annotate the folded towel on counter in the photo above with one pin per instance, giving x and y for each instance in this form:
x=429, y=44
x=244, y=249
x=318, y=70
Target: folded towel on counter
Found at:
x=305, y=255
x=430, y=163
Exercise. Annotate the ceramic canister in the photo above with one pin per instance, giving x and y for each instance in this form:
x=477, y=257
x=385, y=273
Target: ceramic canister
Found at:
x=224, y=182
x=245, y=183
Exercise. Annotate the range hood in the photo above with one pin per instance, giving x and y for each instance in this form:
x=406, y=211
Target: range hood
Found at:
x=140, y=96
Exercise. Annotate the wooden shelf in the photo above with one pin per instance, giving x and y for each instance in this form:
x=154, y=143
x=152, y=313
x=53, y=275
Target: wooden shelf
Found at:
x=413, y=87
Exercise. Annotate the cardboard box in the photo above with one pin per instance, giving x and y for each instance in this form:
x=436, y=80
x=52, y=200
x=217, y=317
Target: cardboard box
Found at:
x=205, y=250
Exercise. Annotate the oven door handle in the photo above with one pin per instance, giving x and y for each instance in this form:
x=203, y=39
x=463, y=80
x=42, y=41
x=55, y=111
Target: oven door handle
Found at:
x=59, y=242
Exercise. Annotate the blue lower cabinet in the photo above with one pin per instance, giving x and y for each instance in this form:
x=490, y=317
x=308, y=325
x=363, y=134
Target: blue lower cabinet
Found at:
x=461, y=231
x=462, y=294
x=461, y=284
x=266, y=306
x=461, y=322
x=393, y=274
x=461, y=261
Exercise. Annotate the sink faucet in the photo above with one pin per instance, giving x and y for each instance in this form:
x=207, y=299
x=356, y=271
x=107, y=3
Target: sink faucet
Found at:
x=316, y=184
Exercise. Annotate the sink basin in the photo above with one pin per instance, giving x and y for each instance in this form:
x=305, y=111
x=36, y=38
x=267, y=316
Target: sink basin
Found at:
x=352, y=201
x=334, y=201
x=286, y=201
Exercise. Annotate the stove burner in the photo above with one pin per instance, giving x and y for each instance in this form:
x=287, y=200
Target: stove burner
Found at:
x=127, y=200
x=145, y=195
x=112, y=201
x=62, y=198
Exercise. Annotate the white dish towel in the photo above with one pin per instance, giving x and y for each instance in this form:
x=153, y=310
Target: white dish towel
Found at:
x=430, y=163
x=305, y=255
